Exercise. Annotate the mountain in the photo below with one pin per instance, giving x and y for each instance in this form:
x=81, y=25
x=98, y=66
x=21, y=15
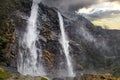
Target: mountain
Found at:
x=92, y=49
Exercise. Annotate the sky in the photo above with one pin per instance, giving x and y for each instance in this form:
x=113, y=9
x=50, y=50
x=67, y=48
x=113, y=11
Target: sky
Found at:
x=105, y=13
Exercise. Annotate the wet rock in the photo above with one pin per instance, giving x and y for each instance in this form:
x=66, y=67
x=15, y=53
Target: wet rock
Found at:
x=98, y=77
x=92, y=49
x=22, y=77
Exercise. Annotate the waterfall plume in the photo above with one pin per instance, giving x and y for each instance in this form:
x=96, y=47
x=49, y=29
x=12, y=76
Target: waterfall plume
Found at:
x=29, y=60
x=65, y=45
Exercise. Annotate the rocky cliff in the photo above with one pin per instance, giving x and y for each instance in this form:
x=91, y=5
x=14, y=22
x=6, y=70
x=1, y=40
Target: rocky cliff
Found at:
x=93, y=49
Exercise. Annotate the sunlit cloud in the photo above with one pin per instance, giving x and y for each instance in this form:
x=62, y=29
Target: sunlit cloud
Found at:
x=106, y=6
x=108, y=23
x=105, y=14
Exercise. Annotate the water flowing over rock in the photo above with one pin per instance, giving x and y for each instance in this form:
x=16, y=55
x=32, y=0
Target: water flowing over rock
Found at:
x=90, y=56
x=92, y=49
x=65, y=44
x=29, y=54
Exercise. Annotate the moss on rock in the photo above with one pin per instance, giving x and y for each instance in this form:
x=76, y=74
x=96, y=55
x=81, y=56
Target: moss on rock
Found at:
x=42, y=78
x=3, y=74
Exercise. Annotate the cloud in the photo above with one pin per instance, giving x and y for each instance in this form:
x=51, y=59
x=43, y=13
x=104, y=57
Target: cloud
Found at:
x=114, y=0
x=101, y=15
x=73, y=5
x=69, y=5
x=102, y=10
x=109, y=23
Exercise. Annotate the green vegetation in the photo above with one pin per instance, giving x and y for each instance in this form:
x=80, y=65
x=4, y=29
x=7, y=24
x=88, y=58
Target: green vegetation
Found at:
x=43, y=78
x=95, y=28
x=3, y=74
x=116, y=71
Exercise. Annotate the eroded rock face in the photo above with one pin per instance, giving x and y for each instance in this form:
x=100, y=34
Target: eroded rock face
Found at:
x=98, y=77
x=7, y=37
x=92, y=49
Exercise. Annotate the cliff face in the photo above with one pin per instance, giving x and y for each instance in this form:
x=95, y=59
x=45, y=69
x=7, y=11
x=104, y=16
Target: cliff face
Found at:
x=92, y=49
x=6, y=31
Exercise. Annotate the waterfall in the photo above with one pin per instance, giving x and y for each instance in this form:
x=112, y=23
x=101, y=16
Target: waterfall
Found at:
x=29, y=56
x=65, y=45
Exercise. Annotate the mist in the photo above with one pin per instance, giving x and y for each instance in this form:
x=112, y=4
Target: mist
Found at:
x=69, y=5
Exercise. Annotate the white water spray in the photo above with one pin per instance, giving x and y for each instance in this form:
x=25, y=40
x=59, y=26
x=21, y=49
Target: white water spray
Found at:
x=65, y=45
x=28, y=56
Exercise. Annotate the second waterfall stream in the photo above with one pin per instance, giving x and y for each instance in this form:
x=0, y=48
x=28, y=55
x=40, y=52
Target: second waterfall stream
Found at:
x=65, y=45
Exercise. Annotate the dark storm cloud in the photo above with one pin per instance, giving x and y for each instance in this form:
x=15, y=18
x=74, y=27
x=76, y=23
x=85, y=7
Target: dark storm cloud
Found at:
x=69, y=5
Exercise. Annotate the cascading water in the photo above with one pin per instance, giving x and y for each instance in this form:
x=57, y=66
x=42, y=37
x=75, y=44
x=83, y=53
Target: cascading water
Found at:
x=65, y=45
x=29, y=56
